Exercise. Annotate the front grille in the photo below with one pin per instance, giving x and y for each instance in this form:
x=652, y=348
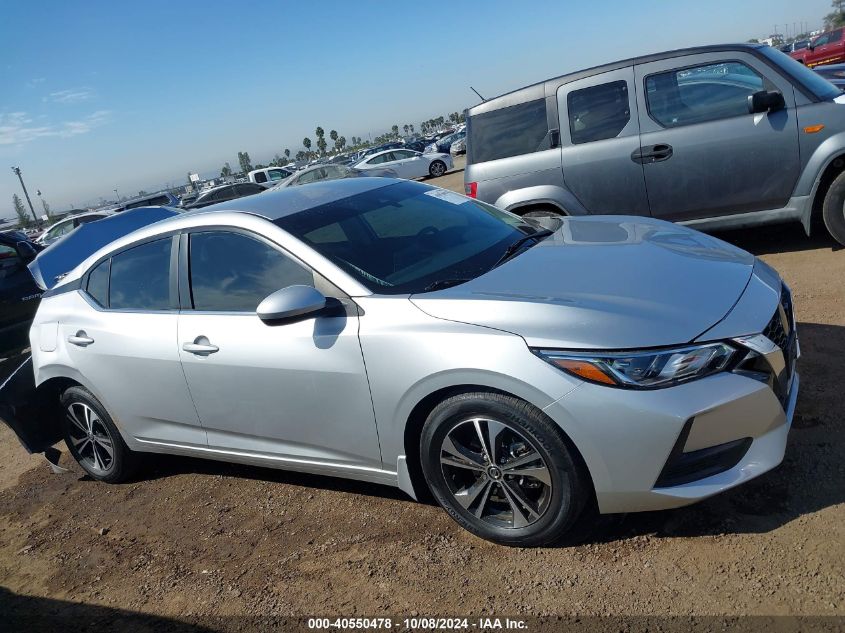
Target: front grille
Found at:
x=781, y=331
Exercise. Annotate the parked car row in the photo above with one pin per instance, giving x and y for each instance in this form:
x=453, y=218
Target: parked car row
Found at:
x=826, y=48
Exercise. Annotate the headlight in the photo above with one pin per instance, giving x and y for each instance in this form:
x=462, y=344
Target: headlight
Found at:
x=648, y=369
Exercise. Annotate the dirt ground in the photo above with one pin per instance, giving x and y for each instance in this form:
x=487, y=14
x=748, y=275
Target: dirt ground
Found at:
x=193, y=539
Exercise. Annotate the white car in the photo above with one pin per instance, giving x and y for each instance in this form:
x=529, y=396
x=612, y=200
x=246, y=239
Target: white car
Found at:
x=408, y=163
x=68, y=225
x=269, y=176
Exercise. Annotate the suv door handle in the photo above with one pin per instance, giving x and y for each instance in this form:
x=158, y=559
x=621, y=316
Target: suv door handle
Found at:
x=81, y=339
x=201, y=347
x=652, y=154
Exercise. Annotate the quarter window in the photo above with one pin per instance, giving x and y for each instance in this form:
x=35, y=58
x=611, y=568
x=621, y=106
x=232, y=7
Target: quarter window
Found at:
x=702, y=93
x=140, y=277
x=512, y=131
x=98, y=283
x=598, y=112
x=231, y=272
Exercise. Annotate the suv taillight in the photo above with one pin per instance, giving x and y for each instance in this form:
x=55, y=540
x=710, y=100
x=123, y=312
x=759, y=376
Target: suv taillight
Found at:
x=471, y=189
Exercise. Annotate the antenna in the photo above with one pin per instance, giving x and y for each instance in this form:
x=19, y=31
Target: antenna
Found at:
x=476, y=92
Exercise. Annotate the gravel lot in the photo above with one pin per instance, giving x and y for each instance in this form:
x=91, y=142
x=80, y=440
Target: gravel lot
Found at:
x=195, y=539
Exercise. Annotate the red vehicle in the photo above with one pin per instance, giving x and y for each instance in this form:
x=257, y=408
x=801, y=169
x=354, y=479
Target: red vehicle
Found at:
x=827, y=48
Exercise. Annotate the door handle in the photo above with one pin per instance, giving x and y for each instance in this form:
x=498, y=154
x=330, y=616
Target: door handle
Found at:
x=201, y=347
x=652, y=154
x=81, y=339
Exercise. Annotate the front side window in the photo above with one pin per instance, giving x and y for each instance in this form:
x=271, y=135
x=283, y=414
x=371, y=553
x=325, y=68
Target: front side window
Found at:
x=231, y=272
x=275, y=174
x=378, y=160
x=404, y=237
x=702, y=93
x=140, y=277
x=836, y=36
x=512, y=131
x=821, y=40
x=598, y=112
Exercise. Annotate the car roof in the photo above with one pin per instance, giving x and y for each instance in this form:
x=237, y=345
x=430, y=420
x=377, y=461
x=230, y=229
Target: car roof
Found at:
x=278, y=203
x=539, y=90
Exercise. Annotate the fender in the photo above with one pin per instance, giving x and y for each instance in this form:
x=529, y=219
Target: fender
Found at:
x=542, y=194
x=829, y=150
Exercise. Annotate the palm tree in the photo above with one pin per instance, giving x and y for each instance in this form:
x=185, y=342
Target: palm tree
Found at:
x=405, y=127
x=306, y=143
x=333, y=135
x=287, y=153
x=412, y=128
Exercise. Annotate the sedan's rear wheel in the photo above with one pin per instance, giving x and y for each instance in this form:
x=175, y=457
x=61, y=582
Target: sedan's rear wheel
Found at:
x=93, y=439
x=502, y=469
x=437, y=168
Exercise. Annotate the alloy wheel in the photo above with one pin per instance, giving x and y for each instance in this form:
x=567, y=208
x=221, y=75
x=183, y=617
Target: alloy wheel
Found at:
x=90, y=437
x=496, y=473
x=438, y=169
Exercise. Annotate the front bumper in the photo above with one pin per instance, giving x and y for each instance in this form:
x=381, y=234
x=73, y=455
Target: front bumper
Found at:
x=627, y=437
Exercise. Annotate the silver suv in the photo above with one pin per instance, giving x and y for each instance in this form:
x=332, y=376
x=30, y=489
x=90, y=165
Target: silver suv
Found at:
x=714, y=137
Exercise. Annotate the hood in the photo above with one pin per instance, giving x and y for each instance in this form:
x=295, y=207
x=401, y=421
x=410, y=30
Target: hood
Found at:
x=604, y=283
x=65, y=254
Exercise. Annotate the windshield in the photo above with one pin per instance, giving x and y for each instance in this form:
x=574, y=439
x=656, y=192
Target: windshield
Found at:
x=402, y=238
x=809, y=79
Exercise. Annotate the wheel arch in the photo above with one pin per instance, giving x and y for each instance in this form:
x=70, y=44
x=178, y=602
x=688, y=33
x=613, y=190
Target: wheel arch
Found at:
x=419, y=414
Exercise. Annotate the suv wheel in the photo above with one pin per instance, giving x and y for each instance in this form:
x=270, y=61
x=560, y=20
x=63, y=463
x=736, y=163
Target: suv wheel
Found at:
x=437, y=169
x=833, y=210
x=93, y=439
x=502, y=469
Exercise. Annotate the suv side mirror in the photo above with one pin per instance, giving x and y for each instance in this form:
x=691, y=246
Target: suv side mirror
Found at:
x=291, y=302
x=765, y=101
x=26, y=251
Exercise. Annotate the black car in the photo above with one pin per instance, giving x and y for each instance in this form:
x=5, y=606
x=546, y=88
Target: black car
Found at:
x=224, y=194
x=834, y=73
x=19, y=295
x=417, y=145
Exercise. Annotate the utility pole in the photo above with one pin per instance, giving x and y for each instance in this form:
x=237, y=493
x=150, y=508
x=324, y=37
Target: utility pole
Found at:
x=17, y=171
x=117, y=194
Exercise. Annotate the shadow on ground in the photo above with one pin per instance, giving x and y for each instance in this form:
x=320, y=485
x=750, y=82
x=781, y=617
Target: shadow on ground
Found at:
x=779, y=238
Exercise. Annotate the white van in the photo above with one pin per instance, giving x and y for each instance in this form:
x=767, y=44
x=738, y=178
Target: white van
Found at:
x=269, y=176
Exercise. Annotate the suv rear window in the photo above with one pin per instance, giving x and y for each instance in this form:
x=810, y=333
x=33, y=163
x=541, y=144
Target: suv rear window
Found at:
x=511, y=131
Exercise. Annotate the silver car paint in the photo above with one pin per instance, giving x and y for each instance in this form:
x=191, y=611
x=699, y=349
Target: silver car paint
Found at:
x=384, y=363
x=618, y=284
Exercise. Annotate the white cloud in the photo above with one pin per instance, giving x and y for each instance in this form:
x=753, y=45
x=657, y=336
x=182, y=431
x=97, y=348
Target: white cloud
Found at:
x=35, y=81
x=76, y=95
x=18, y=128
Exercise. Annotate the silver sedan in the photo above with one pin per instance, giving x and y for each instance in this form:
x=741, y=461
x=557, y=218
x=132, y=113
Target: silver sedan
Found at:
x=394, y=332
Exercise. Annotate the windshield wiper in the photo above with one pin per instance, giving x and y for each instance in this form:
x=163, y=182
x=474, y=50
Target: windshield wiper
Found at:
x=514, y=248
x=443, y=283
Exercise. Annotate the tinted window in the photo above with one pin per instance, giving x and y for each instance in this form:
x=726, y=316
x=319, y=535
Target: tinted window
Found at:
x=702, y=93
x=98, y=283
x=519, y=129
x=403, y=237
x=821, y=40
x=233, y=272
x=598, y=112
x=140, y=277
x=377, y=160
x=835, y=36
x=260, y=177
x=9, y=261
x=248, y=189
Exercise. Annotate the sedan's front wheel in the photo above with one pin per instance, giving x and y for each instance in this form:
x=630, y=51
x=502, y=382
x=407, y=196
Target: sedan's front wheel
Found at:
x=437, y=168
x=502, y=469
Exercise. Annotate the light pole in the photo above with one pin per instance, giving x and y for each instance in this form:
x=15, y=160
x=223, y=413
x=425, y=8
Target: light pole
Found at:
x=17, y=171
x=117, y=194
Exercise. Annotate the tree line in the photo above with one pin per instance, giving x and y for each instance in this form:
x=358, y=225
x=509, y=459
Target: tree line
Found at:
x=339, y=143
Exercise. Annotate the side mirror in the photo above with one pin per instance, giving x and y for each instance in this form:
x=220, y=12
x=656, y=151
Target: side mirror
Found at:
x=291, y=302
x=26, y=251
x=765, y=101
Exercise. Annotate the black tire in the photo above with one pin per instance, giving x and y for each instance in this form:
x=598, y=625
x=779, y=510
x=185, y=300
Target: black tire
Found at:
x=833, y=210
x=89, y=446
x=561, y=502
x=437, y=168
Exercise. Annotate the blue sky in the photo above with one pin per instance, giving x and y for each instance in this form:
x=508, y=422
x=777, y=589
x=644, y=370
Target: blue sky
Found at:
x=98, y=95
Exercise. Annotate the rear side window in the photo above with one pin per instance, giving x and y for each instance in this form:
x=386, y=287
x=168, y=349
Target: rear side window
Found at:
x=231, y=272
x=98, y=283
x=260, y=177
x=702, y=93
x=512, y=131
x=598, y=112
x=140, y=277
x=836, y=36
